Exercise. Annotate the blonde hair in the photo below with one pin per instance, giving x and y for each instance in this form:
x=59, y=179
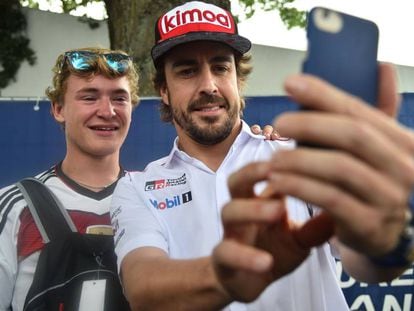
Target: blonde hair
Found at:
x=61, y=72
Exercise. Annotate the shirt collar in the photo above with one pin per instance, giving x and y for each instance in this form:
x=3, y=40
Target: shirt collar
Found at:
x=243, y=136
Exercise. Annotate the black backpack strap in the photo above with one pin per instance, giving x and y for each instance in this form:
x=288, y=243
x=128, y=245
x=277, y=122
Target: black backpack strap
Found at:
x=51, y=218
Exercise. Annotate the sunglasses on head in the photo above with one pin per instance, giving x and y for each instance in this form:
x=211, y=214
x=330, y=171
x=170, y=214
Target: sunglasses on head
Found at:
x=85, y=60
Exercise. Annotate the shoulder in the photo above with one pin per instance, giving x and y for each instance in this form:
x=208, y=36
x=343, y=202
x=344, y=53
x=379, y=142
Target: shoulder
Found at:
x=247, y=138
x=12, y=203
x=47, y=175
x=152, y=168
x=8, y=195
x=157, y=164
x=260, y=144
x=12, y=200
x=126, y=184
x=283, y=143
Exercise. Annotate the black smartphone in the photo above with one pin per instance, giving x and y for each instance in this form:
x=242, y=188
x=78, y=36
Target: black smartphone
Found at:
x=342, y=49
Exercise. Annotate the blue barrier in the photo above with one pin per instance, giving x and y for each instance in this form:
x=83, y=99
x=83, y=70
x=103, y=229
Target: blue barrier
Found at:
x=31, y=141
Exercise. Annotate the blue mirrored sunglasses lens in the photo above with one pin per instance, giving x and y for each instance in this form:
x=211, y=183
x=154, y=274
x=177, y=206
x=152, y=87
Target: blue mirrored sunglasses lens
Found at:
x=84, y=60
x=118, y=62
x=81, y=60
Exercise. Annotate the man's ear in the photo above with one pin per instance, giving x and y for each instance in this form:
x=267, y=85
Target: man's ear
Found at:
x=57, y=111
x=164, y=94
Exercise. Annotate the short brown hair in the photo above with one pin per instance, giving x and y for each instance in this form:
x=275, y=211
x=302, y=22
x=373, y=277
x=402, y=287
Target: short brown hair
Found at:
x=243, y=69
x=61, y=73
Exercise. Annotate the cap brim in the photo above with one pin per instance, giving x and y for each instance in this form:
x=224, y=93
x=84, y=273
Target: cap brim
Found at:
x=236, y=42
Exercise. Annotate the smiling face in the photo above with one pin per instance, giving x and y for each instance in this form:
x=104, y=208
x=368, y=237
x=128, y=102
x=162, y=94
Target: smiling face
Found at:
x=202, y=90
x=96, y=114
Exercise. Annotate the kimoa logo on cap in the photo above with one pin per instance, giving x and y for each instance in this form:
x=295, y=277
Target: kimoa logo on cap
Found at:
x=192, y=13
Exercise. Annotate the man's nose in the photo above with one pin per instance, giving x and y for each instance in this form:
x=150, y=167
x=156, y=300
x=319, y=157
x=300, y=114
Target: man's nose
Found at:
x=106, y=109
x=208, y=83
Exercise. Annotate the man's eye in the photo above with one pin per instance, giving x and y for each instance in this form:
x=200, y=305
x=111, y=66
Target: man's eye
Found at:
x=89, y=98
x=221, y=69
x=120, y=99
x=187, y=72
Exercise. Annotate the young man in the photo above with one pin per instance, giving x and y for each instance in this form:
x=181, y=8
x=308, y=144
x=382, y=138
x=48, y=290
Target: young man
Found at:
x=167, y=220
x=94, y=91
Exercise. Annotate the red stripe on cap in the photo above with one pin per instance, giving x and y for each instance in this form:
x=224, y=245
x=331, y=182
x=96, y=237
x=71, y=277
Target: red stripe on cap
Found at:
x=199, y=27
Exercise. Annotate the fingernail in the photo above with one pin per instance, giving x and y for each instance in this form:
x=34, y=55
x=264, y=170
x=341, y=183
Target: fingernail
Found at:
x=295, y=84
x=275, y=177
x=262, y=262
x=269, y=209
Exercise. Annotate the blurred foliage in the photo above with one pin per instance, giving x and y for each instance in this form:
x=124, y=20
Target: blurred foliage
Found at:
x=67, y=6
x=14, y=44
x=290, y=16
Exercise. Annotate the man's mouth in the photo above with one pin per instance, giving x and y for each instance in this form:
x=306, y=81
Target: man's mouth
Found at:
x=104, y=128
x=209, y=108
x=208, y=103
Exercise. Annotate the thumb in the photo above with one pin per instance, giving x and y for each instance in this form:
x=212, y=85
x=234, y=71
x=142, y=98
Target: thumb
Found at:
x=315, y=231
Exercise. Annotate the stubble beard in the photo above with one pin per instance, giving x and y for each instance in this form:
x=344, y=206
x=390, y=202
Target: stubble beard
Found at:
x=210, y=132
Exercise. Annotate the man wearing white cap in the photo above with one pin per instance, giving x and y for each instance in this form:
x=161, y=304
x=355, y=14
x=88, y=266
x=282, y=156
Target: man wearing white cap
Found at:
x=271, y=250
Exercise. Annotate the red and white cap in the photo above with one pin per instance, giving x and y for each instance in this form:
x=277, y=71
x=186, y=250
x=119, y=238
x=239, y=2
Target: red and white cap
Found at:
x=195, y=21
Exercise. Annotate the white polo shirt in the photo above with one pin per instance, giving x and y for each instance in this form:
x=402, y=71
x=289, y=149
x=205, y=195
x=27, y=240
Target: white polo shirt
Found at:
x=175, y=205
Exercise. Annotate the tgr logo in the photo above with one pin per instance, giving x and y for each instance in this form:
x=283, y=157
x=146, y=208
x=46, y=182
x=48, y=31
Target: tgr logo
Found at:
x=175, y=201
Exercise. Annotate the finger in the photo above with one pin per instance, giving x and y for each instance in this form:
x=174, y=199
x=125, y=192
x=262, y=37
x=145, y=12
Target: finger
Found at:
x=351, y=135
x=241, y=218
x=342, y=206
x=354, y=219
x=235, y=256
x=239, y=212
x=329, y=165
x=256, y=129
x=241, y=182
x=275, y=136
x=347, y=214
x=316, y=94
x=388, y=98
x=316, y=231
x=267, y=131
